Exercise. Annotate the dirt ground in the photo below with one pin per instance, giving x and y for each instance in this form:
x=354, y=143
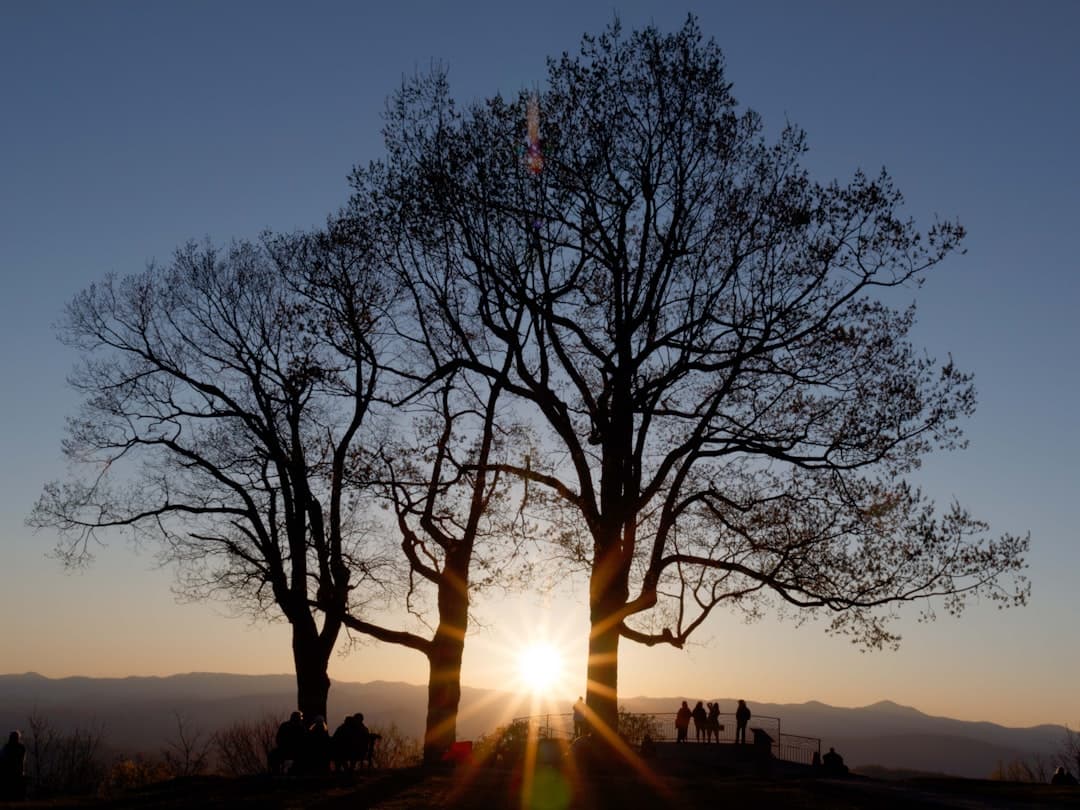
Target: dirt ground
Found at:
x=493, y=788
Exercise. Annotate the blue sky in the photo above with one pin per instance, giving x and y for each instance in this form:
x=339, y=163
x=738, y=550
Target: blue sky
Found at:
x=128, y=128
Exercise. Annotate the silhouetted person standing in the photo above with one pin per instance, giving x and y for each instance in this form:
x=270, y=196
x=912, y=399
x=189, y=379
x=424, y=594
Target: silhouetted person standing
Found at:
x=712, y=727
x=742, y=717
x=13, y=769
x=682, y=722
x=579, y=717
x=701, y=720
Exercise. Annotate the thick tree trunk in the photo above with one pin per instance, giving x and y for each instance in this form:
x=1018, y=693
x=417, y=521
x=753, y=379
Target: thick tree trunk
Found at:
x=614, y=537
x=444, y=696
x=312, y=683
x=602, y=695
x=607, y=597
x=444, y=659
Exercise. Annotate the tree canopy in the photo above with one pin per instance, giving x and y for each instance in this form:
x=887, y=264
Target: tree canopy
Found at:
x=222, y=405
x=709, y=338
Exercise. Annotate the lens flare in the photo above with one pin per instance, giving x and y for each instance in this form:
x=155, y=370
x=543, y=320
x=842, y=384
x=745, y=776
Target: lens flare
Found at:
x=534, y=159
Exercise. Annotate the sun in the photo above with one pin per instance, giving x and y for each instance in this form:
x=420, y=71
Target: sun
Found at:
x=540, y=667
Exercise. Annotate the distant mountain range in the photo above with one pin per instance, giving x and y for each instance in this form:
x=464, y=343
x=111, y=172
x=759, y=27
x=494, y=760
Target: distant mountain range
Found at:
x=138, y=714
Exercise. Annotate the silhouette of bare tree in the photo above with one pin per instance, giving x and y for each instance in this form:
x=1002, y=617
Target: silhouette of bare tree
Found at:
x=221, y=408
x=731, y=401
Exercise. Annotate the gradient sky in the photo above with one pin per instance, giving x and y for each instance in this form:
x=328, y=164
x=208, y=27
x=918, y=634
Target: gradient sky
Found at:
x=127, y=128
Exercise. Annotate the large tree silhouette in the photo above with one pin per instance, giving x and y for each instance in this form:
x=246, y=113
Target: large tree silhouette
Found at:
x=436, y=470
x=711, y=339
x=448, y=505
x=225, y=393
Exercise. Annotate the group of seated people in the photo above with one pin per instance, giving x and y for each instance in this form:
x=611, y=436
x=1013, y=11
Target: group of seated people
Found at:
x=309, y=749
x=1062, y=777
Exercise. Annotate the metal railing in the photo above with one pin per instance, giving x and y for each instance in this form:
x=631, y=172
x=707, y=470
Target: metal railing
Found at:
x=661, y=727
x=796, y=748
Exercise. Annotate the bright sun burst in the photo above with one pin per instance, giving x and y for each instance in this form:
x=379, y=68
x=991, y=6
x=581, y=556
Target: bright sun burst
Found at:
x=540, y=667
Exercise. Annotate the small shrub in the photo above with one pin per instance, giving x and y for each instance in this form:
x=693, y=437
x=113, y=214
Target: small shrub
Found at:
x=1036, y=769
x=243, y=748
x=187, y=753
x=395, y=750
x=633, y=728
x=59, y=763
x=506, y=744
x=135, y=772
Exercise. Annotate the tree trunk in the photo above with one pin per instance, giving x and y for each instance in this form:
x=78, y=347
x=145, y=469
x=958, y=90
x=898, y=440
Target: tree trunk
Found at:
x=602, y=695
x=607, y=597
x=444, y=661
x=444, y=696
x=312, y=683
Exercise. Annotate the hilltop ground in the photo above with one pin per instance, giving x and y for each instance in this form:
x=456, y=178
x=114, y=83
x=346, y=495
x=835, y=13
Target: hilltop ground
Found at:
x=490, y=788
